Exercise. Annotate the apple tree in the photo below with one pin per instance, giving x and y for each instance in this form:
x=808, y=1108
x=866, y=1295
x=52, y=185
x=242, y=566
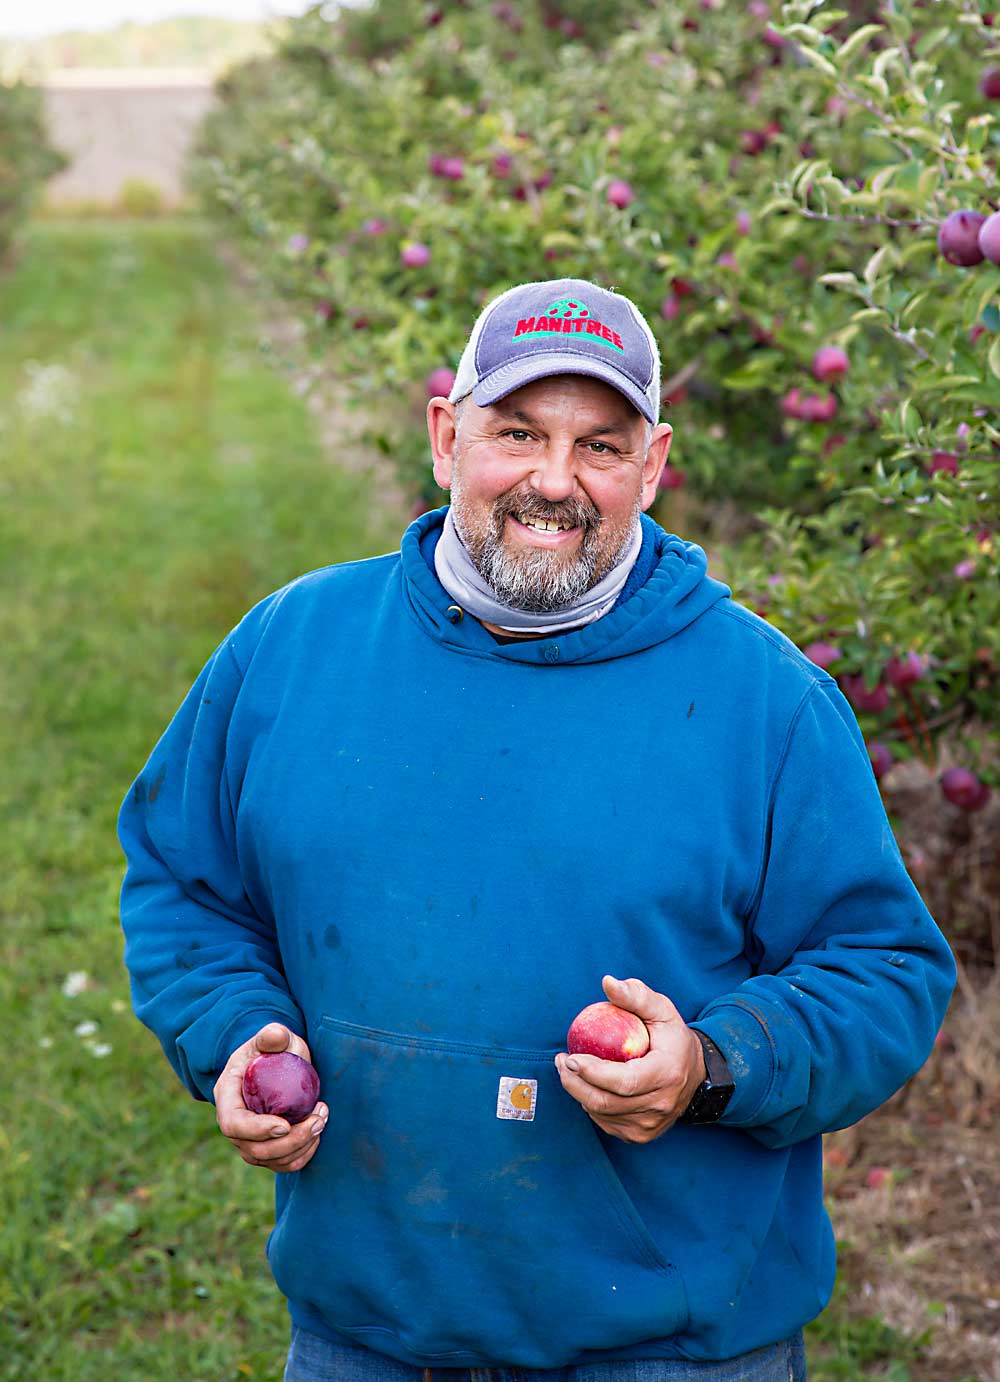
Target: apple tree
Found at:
x=800, y=199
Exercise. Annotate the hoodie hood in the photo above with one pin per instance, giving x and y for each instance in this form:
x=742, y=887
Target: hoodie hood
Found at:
x=668, y=590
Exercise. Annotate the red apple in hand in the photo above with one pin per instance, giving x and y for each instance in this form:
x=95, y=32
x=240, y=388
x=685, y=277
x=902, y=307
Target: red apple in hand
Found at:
x=605, y=1030
x=281, y=1083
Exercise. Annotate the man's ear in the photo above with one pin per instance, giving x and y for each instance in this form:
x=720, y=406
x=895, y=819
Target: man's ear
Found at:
x=442, y=430
x=656, y=458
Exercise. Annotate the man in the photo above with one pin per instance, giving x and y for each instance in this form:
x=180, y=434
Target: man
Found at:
x=417, y=810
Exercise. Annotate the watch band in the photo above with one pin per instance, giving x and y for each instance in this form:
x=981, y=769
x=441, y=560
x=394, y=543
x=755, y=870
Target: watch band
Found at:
x=709, y=1101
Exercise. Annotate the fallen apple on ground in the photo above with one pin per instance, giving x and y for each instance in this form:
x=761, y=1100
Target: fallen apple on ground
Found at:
x=605, y=1030
x=281, y=1083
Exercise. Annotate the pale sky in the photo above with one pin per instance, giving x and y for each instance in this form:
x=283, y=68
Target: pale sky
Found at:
x=22, y=20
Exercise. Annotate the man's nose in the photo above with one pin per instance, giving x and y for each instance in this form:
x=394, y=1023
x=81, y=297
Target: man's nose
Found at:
x=554, y=474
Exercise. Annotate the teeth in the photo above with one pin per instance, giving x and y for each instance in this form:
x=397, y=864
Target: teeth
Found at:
x=544, y=525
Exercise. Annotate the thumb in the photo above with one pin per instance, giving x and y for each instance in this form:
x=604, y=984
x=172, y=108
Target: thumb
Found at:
x=636, y=997
x=273, y=1037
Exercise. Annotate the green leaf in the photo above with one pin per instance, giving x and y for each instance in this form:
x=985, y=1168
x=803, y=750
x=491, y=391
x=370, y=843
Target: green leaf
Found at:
x=991, y=288
x=839, y=280
x=818, y=61
x=976, y=131
x=993, y=359
x=874, y=265
x=857, y=40
x=778, y=204
x=927, y=43
x=878, y=181
x=910, y=419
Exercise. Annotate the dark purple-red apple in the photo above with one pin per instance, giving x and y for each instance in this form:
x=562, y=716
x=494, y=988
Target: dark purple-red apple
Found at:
x=964, y=789
x=853, y=687
x=906, y=670
x=989, y=84
x=958, y=238
x=753, y=142
x=791, y=404
x=942, y=460
x=620, y=194
x=605, y=1030
x=989, y=238
x=414, y=256
x=881, y=759
x=670, y=476
x=830, y=362
x=823, y=654
x=439, y=382
x=281, y=1083
x=818, y=408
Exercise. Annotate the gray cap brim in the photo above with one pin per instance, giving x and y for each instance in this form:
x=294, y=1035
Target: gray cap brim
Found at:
x=517, y=373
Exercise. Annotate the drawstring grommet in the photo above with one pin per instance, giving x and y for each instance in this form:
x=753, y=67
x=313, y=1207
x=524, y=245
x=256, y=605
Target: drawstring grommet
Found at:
x=454, y=614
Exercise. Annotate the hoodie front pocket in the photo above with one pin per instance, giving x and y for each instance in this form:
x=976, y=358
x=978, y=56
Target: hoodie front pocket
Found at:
x=461, y=1207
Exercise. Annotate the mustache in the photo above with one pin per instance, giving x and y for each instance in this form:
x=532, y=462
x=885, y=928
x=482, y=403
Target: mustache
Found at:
x=576, y=512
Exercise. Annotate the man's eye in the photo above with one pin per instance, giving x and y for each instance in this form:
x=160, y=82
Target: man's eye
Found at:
x=601, y=448
x=517, y=434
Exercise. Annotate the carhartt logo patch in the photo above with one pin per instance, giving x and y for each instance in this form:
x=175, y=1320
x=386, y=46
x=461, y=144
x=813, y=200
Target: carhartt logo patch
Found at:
x=516, y=1098
x=567, y=317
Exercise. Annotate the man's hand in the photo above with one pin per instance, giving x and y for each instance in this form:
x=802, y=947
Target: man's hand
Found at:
x=261, y=1138
x=637, y=1100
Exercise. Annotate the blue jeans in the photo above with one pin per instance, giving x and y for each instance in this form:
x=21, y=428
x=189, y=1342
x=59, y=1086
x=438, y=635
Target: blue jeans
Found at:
x=313, y=1359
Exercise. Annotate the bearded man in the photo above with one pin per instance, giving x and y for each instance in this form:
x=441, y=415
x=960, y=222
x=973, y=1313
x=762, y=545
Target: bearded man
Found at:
x=415, y=813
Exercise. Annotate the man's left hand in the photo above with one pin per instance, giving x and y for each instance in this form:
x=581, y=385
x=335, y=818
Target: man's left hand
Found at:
x=637, y=1100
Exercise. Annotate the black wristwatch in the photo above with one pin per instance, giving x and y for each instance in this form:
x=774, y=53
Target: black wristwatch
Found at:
x=712, y=1095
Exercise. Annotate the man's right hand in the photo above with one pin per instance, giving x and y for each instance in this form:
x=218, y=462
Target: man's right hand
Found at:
x=262, y=1139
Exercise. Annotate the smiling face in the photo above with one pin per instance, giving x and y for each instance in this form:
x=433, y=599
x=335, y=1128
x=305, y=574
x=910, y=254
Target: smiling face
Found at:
x=547, y=485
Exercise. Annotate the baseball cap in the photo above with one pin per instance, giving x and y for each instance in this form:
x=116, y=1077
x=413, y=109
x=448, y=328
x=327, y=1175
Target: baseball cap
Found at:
x=560, y=326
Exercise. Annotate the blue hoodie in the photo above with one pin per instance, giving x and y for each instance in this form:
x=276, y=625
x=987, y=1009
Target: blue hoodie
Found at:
x=420, y=849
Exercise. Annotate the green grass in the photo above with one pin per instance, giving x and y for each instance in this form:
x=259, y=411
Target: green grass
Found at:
x=157, y=476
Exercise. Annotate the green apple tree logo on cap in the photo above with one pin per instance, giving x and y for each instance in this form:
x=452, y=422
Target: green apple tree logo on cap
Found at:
x=566, y=307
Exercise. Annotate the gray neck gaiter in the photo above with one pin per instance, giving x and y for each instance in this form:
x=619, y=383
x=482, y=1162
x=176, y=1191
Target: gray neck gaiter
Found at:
x=457, y=573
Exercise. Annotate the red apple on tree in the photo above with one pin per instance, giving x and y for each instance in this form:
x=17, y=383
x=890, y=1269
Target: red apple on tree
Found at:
x=964, y=789
x=823, y=654
x=620, y=194
x=873, y=701
x=439, y=382
x=905, y=671
x=989, y=84
x=414, y=255
x=605, y=1030
x=958, y=238
x=942, y=460
x=830, y=362
x=881, y=759
x=989, y=235
x=671, y=477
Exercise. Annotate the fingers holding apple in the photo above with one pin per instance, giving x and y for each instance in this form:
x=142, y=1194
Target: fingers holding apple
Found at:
x=265, y=1100
x=632, y=1062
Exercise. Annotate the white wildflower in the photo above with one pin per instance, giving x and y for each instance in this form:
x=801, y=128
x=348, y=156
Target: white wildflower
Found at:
x=85, y=1029
x=99, y=1048
x=75, y=983
x=50, y=392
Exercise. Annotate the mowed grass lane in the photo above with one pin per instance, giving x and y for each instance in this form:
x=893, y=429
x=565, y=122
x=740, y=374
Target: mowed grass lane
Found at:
x=158, y=476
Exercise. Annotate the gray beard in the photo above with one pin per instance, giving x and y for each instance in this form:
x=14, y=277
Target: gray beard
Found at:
x=535, y=582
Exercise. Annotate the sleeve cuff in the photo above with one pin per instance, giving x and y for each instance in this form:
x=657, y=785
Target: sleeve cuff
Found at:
x=744, y=1041
x=207, y=1064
